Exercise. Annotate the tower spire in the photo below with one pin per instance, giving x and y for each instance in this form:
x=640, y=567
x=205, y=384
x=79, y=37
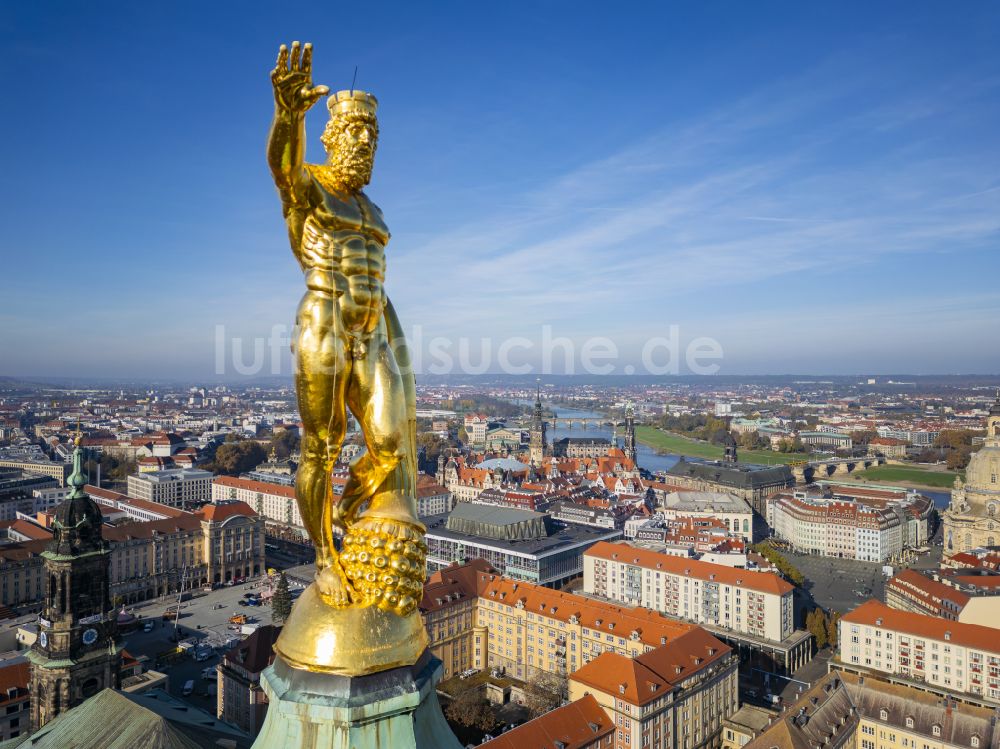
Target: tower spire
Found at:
x=78, y=650
x=630, y=449
x=536, y=448
x=77, y=479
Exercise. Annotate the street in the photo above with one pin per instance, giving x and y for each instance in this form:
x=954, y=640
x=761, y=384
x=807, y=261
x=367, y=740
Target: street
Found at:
x=204, y=618
x=842, y=584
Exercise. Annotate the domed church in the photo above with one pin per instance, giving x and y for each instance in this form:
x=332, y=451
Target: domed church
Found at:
x=973, y=517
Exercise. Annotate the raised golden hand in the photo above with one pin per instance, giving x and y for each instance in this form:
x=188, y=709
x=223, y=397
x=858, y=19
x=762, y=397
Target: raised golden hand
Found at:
x=361, y=613
x=292, y=79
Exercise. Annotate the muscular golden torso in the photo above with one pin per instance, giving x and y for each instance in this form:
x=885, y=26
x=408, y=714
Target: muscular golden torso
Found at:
x=341, y=249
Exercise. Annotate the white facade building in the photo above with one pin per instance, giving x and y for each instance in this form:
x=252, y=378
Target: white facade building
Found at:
x=275, y=502
x=759, y=604
x=730, y=509
x=177, y=487
x=432, y=498
x=948, y=655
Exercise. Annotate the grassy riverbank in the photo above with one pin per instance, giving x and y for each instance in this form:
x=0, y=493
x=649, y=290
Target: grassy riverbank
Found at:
x=675, y=443
x=909, y=475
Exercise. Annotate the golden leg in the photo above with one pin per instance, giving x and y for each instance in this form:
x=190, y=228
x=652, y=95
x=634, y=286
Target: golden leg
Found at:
x=322, y=372
x=378, y=399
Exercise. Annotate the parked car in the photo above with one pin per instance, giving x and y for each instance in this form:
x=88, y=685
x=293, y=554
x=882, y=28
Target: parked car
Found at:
x=188, y=689
x=209, y=674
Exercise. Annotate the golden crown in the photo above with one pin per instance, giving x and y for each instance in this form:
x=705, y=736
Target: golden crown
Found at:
x=344, y=102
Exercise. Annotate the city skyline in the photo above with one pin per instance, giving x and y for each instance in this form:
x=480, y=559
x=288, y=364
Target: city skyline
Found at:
x=814, y=191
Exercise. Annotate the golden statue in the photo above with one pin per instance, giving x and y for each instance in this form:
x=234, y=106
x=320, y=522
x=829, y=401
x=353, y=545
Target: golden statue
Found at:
x=360, y=615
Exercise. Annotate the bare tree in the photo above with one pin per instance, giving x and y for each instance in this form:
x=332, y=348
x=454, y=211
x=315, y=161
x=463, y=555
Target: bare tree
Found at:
x=544, y=693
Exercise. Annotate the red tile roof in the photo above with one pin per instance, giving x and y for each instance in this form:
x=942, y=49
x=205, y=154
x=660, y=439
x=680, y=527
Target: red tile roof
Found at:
x=930, y=592
x=427, y=486
x=876, y=614
x=574, y=726
x=14, y=676
x=652, y=628
x=21, y=551
x=106, y=496
x=257, y=486
x=256, y=652
x=458, y=582
x=30, y=530
x=218, y=512
x=650, y=675
x=149, y=528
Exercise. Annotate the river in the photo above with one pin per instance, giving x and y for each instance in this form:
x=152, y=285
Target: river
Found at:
x=645, y=455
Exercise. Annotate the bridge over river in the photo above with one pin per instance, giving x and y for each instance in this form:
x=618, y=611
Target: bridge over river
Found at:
x=816, y=470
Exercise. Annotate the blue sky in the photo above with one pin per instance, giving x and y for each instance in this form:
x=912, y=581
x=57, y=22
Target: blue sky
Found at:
x=817, y=188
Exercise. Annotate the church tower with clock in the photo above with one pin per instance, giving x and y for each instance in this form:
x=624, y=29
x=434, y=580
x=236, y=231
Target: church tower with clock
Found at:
x=77, y=653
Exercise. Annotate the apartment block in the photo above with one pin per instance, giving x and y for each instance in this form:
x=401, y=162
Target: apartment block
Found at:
x=832, y=528
x=275, y=502
x=754, y=603
x=432, y=498
x=943, y=655
x=178, y=487
x=150, y=558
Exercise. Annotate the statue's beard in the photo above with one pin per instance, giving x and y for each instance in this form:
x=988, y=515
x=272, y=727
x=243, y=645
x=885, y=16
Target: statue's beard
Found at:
x=353, y=168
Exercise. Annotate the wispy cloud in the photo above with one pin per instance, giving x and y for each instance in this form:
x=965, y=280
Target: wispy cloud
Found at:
x=786, y=208
x=729, y=200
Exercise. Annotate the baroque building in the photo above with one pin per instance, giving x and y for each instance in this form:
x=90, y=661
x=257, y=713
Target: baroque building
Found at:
x=77, y=653
x=973, y=517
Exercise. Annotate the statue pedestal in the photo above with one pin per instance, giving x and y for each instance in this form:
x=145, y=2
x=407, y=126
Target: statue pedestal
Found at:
x=397, y=708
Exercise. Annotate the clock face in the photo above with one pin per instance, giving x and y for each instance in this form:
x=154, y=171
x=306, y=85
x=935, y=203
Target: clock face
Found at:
x=43, y=639
x=90, y=637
